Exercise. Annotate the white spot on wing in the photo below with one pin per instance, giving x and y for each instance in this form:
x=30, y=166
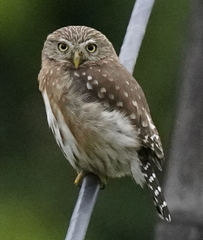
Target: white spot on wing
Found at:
x=125, y=94
x=89, y=86
x=150, y=121
x=144, y=123
x=89, y=77
x=111, y=96
x=146, y=166
x=159, y=188
x=119, y=104
x=100, y=95
x=156, y=192
x=134, y=103
x=95, y=82
x=103, y=90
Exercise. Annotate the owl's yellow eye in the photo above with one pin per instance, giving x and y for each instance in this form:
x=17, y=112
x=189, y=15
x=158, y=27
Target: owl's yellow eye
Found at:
x=91, y=47
x=62, y=47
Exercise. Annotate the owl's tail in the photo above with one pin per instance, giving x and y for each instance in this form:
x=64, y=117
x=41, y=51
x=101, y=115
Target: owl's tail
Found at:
x=154, y=186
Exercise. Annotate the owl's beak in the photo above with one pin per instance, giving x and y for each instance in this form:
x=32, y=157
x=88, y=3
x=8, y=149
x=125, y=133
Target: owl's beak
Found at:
x=77, y=58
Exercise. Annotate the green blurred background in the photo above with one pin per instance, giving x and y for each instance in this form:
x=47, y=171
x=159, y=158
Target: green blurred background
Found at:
x=37, y=194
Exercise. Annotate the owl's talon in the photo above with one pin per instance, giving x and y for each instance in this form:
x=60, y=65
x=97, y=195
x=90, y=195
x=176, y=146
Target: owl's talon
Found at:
x=82, y=174
x=79, y=178
x=103, y=182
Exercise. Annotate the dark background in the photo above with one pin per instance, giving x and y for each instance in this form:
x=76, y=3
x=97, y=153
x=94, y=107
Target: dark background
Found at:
x=37, y=194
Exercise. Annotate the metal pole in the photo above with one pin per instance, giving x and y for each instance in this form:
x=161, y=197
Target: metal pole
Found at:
x=83, y=208
x=135, y=33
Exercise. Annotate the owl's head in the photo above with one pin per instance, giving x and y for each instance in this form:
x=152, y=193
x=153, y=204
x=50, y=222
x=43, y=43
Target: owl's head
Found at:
x=77, y=46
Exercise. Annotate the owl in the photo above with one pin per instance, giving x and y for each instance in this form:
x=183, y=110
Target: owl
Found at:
x=97, y=111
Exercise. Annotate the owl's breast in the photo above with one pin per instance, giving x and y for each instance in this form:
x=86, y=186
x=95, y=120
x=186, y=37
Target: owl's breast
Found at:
x=92, y=138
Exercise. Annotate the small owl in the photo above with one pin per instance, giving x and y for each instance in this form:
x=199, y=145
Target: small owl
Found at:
x=97, y=111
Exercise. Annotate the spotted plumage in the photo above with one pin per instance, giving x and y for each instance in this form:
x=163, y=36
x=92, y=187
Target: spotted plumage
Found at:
x=97, y=110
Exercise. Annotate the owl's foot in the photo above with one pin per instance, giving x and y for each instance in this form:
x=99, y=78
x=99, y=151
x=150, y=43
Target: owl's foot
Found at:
x=82, y=174
x=103, y=182
x=79, y=178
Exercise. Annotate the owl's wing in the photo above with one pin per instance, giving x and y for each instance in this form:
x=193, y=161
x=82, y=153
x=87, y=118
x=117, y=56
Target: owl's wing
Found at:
x=113, y=86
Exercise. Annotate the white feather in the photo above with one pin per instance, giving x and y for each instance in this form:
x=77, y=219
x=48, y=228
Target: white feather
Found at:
x=59, y=126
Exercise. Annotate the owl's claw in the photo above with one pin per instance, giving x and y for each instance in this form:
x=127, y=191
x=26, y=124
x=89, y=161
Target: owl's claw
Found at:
x=82, y=174
x=103, y=182
x=79, y=178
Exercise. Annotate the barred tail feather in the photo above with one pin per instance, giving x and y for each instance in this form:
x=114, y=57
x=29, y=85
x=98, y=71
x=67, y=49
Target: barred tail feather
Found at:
x=154, y=186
